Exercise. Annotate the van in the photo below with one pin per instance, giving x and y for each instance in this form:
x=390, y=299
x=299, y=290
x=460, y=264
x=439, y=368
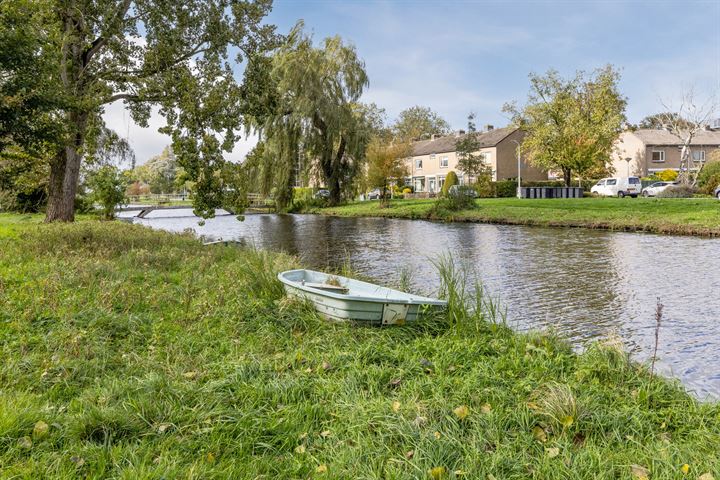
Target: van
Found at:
x=617, y=187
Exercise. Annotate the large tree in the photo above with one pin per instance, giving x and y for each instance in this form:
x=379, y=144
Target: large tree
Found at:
x=387, y=164
x=417, y=123
x=316, y=113
x=571, y=124
x=174, y=55
x=470, y=160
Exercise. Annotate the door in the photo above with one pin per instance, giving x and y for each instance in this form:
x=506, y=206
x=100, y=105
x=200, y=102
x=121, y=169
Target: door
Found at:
x=431, y=185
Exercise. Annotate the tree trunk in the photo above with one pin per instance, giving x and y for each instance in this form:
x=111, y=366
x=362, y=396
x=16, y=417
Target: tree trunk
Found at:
x=335, y=172
x=65, y=174
x=567, y=176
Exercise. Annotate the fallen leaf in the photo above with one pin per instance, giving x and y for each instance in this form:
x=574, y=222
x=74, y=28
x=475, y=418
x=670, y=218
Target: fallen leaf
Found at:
x=78, y=461
x=420, y=421
x=491, y=477
x=25, y=442
x=325, y=433
x=190, y=375
x=532, y=405
x=396, y=406
x=639, y=472
x=321, y=468
x=326, y=366
x=685, y=468
x=706, y=476
x=300, y=449
x=539, y=434
x=437, y=473
x=459, y=473
x=436, y=434
x=395, y=382
x=485, y=408
x=552, y=452
x=163, y=427
x=409, y=454
x=308, y=370
x=40, y=430
x=567, y=421
x=461, y=412
x=210, y=457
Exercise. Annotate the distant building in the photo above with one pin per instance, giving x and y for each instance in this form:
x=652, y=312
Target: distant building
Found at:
x=655, y=150
x=432, y=159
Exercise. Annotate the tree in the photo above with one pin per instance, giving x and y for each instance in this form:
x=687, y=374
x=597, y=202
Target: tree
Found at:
x=658, y=121
x=108, y=189
x=571, y=125
x=387, y=165
x=450, y=180
x=416, y=123
x=171, y=55
x=159, y=173
x=317, y=117
x=685, y=122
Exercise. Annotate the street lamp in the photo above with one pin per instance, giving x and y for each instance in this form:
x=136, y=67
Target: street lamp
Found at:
x=518, y=163
x=628, y=160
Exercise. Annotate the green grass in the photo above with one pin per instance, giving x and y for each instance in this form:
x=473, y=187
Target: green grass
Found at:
x=129, y=353
x=655, y=215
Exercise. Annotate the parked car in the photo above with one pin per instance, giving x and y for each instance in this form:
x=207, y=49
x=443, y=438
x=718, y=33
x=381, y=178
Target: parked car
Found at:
x=462, y=190
x=322, y=193
x=617, y=187
x=717, y=192
x=655, y=188
x=374, y=194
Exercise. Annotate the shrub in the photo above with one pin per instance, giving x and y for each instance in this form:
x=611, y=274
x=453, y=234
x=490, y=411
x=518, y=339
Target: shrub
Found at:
x=450, y=180
x=506, y=188
x=709, y=177
x=461, y=198
x=406, y=190
x=667, y=175
x=678, y=191
x=108, y=189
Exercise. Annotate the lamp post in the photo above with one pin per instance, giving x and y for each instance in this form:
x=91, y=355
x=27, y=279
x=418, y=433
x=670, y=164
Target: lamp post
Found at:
x=628, y=160
x=517, y=150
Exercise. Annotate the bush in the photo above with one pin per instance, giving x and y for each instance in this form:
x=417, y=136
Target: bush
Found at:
x=709, y=177
x=406, y=190
x=461, y=198
x=450, y=180
x=678, y=191
x=108, y=189
x=667, y=175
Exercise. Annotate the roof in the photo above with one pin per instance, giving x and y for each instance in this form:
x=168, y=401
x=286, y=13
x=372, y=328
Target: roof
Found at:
x=651, y=136
x=447, y=144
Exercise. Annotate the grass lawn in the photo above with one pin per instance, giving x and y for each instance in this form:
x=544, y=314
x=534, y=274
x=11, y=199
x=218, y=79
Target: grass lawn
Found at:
x=674, y=216
x=131, y=353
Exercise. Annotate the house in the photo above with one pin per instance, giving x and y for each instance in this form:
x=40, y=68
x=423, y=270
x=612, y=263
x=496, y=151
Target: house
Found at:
x=432, y=159
x=646, y=151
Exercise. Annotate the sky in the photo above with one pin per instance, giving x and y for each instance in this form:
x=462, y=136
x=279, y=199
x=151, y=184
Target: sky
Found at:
x=458, y=56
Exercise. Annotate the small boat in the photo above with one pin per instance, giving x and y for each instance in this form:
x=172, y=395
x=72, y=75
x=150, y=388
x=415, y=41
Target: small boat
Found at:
x=343, y=299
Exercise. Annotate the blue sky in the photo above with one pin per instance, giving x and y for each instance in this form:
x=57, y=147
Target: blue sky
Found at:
x=461, y=56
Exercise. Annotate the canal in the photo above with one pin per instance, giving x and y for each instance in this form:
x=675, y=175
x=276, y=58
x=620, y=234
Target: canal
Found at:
x=583, y=284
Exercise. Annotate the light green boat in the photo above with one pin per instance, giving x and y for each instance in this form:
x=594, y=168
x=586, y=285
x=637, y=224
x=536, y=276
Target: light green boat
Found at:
x=345, y=299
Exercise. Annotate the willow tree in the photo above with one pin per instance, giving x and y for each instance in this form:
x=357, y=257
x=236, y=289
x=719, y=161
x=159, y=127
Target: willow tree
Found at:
x=316, y=112
x=176, y=56
x=571, y=125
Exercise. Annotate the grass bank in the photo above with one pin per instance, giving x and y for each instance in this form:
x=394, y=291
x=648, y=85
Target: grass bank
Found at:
x=130, y=353
x=654, y=215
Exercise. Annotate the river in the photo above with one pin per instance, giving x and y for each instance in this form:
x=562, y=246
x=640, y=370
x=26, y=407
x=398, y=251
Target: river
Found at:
x=583, y=284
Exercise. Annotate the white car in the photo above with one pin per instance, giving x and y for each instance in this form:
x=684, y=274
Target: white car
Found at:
x=617, y=187
x=653, y=189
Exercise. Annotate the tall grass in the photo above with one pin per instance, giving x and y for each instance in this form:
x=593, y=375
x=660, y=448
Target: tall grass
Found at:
x=130, y=353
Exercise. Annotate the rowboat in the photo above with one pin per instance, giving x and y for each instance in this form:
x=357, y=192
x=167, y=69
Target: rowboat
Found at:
x=346, y=299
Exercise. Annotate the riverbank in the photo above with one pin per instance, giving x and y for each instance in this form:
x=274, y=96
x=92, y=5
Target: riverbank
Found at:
x=132, y=353
x=699, y=217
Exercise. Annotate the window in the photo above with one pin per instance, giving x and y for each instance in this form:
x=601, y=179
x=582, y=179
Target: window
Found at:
x=698, y=155
x=443, y=162
x=418, y=163
x=658, y=155
x=600, y=183
x=612, y=181
x=633, y=180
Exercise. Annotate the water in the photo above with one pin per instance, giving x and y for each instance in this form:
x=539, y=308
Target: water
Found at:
x=584, y=284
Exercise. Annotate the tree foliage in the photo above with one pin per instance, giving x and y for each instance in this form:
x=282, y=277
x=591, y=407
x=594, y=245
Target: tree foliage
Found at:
x=108, y=189
x=386, y=164
x=315, y=117
x=175, y=56
x=571, y=124
x=160, y=172
x=658, y=121
x=450, y=180
x=417, y=123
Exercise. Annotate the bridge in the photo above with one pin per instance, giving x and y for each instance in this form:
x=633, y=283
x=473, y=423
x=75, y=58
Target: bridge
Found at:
x=144, y=204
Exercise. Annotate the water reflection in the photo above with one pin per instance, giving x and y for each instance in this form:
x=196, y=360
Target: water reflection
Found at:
x=585, y=284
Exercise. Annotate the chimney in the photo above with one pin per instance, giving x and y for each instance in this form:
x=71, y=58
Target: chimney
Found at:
x=460, y=133
x=488, y=127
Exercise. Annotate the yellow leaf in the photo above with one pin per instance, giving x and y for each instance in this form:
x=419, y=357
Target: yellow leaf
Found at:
x=685, y=468
x=459, y=473
x=436, y=434
x=552, y=452
x=321, y=468
x=40, y=430
x=532, y=405
x=485, y=408
x=396, y=406
x=539, y=434
x=163, y=427
x=461, y=412
x=706, y=476
x=210, y=457
x=567, y=421
x=300, y=449
x=25, y=442
x=410, y=454
x=190, y=375
x=639, y=472
x=437, y=473
x=325, y=433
